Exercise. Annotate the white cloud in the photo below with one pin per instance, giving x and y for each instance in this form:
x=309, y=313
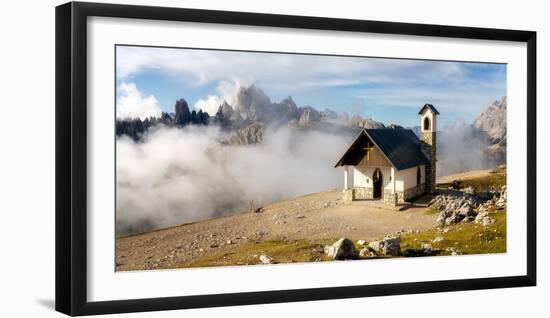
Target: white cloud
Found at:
x=131, y=104
x=184, y=175
x=227, y=91
x=454, y=86
x=285, y=72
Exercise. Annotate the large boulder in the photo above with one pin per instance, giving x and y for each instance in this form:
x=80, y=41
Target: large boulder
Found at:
x=342, y=249
x=392, y=246
x=389, y=246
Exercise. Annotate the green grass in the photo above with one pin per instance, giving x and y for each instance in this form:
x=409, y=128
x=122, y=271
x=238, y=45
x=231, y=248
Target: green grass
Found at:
x=469, y=238
x=249, y=252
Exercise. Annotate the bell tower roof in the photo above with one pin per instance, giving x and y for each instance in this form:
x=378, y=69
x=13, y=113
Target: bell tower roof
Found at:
x=426, y=107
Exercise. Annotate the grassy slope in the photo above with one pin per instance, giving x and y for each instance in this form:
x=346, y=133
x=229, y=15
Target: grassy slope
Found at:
x=249, y=252
x=493, y=181
x=469, y=238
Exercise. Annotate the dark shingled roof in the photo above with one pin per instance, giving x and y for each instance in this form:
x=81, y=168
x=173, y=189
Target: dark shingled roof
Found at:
x=430, y=106
x=401, y=147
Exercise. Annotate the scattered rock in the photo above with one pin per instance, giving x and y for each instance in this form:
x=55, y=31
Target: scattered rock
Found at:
x=375, y=246
x=389, y=246
x=392, y=246
x=342, y=249
x=501, y=202
x=454, y=251
x=455, y=208
x=361, y=242
x=259, y=210
x=266, y=259
x=467, y=210
x=438, y=239
x=366, y=252
x=487, y=221
x=469, y=190
x=481, y=215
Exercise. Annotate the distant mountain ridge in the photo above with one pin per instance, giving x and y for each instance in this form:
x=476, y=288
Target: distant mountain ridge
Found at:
x=135, y=128
x=248, y=118
x=253, y=111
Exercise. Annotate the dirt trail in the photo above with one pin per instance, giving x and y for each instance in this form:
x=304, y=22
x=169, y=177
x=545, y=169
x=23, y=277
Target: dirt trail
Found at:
x=321, y=215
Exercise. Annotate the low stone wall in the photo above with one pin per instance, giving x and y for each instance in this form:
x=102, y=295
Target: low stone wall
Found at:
x=389, y=197
x=357, y=193
x=360, y=193
x=348, y=194
x=415, y=191
x=363, y=193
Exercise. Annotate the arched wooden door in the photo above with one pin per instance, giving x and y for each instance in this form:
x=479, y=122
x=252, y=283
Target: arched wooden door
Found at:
x=377, y=184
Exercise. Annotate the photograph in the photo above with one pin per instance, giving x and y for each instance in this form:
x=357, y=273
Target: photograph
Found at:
x=229, y=158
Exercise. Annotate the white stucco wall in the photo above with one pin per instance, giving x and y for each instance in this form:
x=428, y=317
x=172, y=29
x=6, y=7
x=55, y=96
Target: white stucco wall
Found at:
x=406, y=178
x=348, y=177
x=362, y=177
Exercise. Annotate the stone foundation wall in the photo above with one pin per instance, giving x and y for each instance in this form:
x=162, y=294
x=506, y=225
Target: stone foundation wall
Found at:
x=414, y=191
x=348, y=195
x=389, y=197
x=363, y=193
x=357, y=193
x=360, y=193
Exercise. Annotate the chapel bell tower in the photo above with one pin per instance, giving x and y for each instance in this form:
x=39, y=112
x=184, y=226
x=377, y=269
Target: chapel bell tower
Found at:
x=428, y=132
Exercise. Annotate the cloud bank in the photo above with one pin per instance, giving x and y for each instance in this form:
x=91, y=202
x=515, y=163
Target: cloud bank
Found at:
x=183, y=175
x=460, y=148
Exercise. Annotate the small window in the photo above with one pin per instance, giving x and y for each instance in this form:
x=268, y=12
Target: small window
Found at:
x=418, y=176
x=426, y=123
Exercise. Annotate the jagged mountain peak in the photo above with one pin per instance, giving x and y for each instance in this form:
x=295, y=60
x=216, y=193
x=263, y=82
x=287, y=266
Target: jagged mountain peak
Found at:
x=492, y=121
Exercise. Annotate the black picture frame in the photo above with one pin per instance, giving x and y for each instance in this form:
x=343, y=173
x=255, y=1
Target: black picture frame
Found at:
x=71, y=157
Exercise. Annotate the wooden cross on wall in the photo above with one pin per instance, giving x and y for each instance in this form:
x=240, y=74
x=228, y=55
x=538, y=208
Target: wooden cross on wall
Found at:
x=368, y=149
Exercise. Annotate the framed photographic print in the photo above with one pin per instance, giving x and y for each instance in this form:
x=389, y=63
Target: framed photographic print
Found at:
x=208, y=158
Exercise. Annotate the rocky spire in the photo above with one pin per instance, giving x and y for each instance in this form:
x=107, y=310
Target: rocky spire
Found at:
x=183, y=115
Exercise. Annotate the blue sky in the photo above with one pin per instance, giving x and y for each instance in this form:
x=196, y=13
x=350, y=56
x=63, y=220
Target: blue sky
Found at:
x=389, y=90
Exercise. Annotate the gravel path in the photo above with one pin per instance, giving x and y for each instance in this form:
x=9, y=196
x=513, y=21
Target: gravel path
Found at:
x=317, y=216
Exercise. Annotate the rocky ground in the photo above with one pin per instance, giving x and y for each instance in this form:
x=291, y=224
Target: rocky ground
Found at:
x=467, y=216
x=311, y=221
